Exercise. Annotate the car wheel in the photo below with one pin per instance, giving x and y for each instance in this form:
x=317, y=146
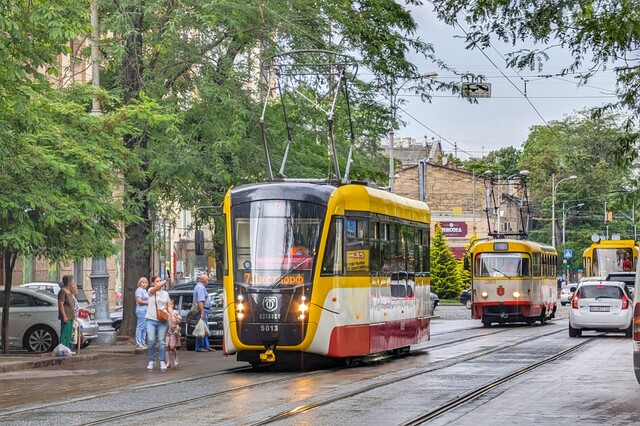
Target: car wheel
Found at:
x=574, y=332
x=190, y=344
x=629, y=331
x=116, y=326
x=85, y=344
x=40, y=338
x=468, y=304
x=563, y=303
x=486, y=324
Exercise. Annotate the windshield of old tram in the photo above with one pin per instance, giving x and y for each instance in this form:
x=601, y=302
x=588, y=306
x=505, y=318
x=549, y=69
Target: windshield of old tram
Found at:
x=611, y=260
x=502, y=265
x=275, y=242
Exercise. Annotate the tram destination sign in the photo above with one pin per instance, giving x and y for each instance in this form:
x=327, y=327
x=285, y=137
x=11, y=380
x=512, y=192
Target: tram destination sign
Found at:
x=454, y=229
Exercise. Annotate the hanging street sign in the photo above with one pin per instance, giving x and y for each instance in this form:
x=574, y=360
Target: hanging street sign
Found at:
x=476, y=90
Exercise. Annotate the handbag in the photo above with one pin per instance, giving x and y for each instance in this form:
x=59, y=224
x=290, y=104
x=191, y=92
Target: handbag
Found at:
x=161, y=314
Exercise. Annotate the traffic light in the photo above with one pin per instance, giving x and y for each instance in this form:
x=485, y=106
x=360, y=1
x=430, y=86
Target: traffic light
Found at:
x=568, y=266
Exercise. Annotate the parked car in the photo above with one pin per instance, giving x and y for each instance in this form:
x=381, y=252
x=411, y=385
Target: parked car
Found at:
x=216, y=320
x=191, y=284
x=465, y=298
x=34, y=323
x=601, y=306
x=183, y=300
x=566, y=293
x=51, y=287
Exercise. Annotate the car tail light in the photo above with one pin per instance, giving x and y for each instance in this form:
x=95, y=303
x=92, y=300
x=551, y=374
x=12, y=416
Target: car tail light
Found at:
x=574, y=301
x=83, y=313
x=636, y=322
x=625, y=302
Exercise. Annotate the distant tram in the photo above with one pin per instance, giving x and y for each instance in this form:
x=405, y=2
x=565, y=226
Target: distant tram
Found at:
x=321, y=271
x=607, y=256
x=513, y=281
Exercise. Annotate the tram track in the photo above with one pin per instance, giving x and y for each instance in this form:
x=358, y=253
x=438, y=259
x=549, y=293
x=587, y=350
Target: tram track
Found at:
x=140, y=413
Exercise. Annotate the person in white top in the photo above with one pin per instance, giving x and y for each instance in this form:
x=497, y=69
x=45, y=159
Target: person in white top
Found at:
x=157, y=329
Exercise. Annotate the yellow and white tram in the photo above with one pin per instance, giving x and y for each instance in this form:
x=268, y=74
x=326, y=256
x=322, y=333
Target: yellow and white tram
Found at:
x=606, y=256
x=513, y=281
x=317, y=270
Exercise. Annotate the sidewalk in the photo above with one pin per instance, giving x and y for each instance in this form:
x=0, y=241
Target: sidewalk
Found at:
x=27, y=361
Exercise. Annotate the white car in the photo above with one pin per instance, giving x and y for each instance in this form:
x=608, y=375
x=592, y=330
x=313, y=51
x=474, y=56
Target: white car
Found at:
x=51, y=287
x=566, y=292
x=601, y=306
x=34, y=323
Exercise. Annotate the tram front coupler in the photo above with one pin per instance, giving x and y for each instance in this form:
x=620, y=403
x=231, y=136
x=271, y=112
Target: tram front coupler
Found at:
x=268, y=355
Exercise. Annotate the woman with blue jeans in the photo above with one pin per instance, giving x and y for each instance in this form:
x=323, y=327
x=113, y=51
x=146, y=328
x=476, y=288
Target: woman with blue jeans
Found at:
x=142, y=303
x=156, y=329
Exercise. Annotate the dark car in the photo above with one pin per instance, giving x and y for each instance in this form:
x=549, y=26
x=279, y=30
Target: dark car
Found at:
x=183, y=301
x=628, y=278
x=465, y=297
x=216, y=328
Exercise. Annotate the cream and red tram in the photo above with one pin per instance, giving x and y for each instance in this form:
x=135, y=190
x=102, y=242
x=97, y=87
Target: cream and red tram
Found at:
x=317, y=270
x=513, y=281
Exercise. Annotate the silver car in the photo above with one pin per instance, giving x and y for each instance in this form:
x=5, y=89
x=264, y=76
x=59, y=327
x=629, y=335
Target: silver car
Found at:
x=566, y=293
x=601, y=306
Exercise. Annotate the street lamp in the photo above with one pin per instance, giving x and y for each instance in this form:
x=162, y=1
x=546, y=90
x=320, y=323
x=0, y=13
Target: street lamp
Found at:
x=564, y=218
x=393, y=98
x=554, y=185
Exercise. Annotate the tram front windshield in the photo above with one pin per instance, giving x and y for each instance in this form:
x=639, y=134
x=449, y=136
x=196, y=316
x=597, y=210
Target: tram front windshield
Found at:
x=502, y=265
x=276, y=242
x=610, y=260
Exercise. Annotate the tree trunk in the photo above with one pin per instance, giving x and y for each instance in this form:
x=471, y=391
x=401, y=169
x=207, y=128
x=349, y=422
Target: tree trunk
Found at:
x=9, y=261
x=137, y=244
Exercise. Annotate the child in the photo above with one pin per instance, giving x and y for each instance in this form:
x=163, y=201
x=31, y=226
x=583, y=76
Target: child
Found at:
x=173, y=336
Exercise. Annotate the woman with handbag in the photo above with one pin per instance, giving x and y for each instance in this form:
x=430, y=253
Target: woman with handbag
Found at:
x=158, y=314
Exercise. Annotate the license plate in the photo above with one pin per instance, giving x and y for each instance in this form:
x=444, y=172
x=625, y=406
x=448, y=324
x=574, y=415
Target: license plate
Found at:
x=216, y=333
x=598, y=309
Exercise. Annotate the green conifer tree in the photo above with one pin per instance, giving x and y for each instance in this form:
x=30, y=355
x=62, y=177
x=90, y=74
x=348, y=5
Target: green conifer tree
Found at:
x=464, y=274
x=444, y=272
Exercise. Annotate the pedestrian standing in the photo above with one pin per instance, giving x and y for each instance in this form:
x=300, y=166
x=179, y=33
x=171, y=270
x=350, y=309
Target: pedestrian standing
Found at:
x=201, y=298
x=157, y=327
x=76, y=338
x=173, y=336
x=142, y=303
x=66, y=312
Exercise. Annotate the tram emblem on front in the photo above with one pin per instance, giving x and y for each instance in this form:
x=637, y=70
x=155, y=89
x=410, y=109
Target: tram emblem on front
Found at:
x=500, y=290
x=270, y=304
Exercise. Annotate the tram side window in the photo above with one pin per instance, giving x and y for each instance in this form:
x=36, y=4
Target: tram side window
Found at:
x=357, y=245
x=332, y=263
x=375, y=249
x=536, y=264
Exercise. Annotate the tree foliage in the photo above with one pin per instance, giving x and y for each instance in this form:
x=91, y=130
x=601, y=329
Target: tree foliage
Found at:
x=444, y=270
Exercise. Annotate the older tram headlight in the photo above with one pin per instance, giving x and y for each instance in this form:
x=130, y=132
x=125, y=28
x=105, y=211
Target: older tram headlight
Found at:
x=516, y=294
x=484, y=294
x=240, y=307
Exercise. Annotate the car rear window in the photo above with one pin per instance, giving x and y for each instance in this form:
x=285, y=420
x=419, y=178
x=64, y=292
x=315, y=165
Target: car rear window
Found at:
x=595, y=291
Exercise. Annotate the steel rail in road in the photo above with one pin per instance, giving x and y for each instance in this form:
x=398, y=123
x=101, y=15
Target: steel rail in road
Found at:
x=478, y=392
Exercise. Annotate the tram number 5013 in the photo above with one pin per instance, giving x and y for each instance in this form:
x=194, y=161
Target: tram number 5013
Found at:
x=268, y=327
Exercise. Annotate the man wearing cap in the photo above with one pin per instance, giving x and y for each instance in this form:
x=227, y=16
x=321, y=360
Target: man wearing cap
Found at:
x=66, y=311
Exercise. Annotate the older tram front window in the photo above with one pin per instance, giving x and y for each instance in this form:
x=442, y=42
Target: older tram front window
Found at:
x=611, y=260
x=276, y=242
x=502, y=265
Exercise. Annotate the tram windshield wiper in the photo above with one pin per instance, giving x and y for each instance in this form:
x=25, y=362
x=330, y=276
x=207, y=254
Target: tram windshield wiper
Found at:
x=290, y=270
x=500, y=272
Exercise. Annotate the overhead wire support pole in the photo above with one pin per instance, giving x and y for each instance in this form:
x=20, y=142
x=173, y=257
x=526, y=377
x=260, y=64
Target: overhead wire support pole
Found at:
x=267, y=158
x=330, y=127
x=289, y=138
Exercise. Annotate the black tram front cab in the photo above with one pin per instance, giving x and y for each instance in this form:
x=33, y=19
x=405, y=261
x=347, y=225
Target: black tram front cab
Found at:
x=274, y=240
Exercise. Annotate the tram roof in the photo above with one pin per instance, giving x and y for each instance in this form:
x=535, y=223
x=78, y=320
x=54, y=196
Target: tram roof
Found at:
x=533, y=245
x=356, y=197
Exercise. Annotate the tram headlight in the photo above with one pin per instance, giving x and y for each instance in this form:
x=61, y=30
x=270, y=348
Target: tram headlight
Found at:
x=484, y=294
x=303, y=308
x=516, y=294
x=239, y=315
x=240, y=308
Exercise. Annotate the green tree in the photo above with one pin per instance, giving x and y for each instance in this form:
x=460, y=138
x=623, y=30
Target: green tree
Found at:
x=60, y=174
x=464, y=274
x=444, y=271
x=200, y=62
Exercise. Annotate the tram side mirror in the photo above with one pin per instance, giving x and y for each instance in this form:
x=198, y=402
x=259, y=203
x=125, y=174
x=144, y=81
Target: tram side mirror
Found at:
x=199, y=240
x=466, y=263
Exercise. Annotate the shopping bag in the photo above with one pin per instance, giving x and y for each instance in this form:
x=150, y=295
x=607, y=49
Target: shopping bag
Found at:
x=201, y=329
x=62, y=350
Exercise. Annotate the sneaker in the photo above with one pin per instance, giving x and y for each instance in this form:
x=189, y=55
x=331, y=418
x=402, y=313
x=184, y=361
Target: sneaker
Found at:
x=175, y=364
x=150, y=366
x=141, y=347
x=163, y=365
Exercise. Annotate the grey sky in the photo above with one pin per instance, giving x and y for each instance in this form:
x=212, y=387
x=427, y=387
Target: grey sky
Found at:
x=505, y=118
